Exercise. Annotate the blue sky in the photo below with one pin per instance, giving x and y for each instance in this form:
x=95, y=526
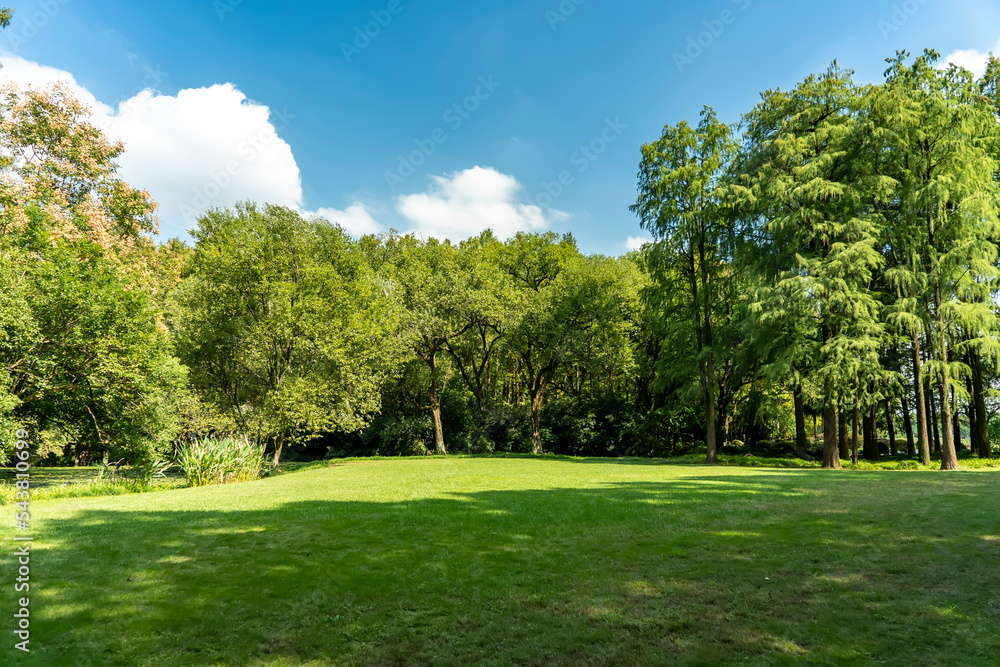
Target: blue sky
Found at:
x=552, y=78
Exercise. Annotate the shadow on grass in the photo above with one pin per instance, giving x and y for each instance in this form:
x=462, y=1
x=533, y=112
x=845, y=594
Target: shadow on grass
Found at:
x=709, y=569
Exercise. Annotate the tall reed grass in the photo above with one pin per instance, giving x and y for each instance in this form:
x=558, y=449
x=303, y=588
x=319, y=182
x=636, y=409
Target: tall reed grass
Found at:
x=221, y=461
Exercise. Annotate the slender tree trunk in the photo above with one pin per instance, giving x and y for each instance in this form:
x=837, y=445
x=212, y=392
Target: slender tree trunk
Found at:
x=279, y=443
x=800, y=425
x=981, y=439
x=970, y=407
x=923, y=439
x=854, y=435
x=815, y=429
x=536, y=421
x=845, y=443
x=875, y=439
x=949, y=458
x=908, y=425
x=956, y=428
x=890, y=426
x=932, y=403
x=956, y=422
x=708, y=391
x=871, y=443
x=432, y=394
x=438, y=429
x=831, y=453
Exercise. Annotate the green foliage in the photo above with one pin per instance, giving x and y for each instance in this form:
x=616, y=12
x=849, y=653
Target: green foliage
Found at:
x=691, y=261
x=591, y=426
x=82, y=347
x=794, y=268
x=282, y=325
x=142, y=473
x=221, y=460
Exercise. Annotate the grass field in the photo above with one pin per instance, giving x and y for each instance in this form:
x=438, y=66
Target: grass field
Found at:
x=522, y=561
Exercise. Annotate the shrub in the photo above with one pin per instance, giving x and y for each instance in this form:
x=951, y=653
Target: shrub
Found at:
x=221, y=460
x=604, y=425
x=141, y=474
x=399, y=435
x=508, y=427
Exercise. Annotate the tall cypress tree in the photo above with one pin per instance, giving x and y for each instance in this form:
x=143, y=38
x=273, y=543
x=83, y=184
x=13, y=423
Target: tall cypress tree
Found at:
x=691, y=260
x=799, y=188
x=935, y=131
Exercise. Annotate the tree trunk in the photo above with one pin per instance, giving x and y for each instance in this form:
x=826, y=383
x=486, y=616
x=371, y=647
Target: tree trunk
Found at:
x=956, y=429
x=871, y=444
x=890, y=426
x=875, y=440
x=932, y=403
x=923, y=439
x=536, y=421
x=432, y=394
x=854, y=436
x=845, y=443
x=279, y=443
x=708, y=392
x=815, y=428
x=981, y=439
x=908, y=425
x=970, y=407
x=831, y=453
x=438, y=429
x=800, y=425
x=949, y=459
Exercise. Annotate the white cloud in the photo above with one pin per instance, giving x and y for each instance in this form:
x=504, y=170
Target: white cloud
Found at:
x=356, y=219
x=468, y=202
x=636, y=242
x=971, y=59
x=212, y=147
x=201, y=148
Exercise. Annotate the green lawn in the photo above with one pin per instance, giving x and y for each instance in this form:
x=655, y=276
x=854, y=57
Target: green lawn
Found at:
x=522, y=561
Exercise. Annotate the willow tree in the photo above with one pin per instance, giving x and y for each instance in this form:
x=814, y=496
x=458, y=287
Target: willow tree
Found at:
x=690, y=261
x=939, y=133
x=797, y=186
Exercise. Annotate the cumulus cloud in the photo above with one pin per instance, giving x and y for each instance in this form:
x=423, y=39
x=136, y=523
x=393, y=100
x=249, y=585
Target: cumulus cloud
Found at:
x=636, y=242
x=971, y=59
x=465, y=203
x=356, y=219
x=202, y=148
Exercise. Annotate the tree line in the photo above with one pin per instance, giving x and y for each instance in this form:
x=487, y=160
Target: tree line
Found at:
x=844, y=240
x=830, y=258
